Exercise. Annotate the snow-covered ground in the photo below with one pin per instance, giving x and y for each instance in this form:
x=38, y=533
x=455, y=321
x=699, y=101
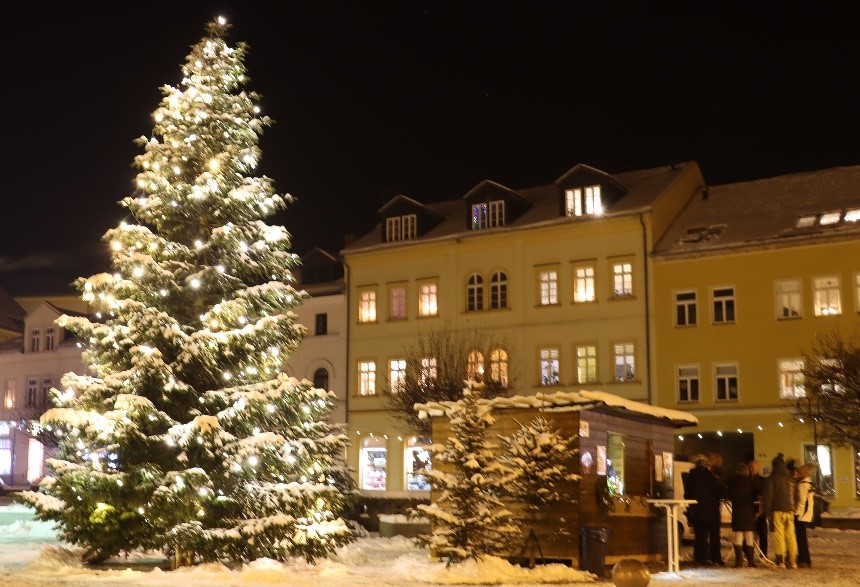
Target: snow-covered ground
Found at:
x=31, y=555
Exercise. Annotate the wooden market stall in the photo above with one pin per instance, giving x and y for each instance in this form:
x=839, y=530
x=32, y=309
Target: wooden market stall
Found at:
x=624, y=456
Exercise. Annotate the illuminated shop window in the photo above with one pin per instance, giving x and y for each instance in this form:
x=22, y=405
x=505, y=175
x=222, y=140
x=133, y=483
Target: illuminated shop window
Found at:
x=373, y=463
x=416, y=463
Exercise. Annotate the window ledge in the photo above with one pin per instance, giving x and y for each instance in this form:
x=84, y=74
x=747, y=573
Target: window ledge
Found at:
x=621, y=298
x=555, y=305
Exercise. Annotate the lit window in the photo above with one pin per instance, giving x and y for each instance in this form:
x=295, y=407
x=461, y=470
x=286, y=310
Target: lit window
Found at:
x=366, y=378
x=549, y=366
x=548, y=287
x=373, y=464
x=852, y=215
x=498, y=290
x=488, y=215
x=624, y=362
x=806, y=221
x=480, y=216
x=401, y=228
x=397, y=303
x=579, y=202
x=622, y=280
x=475, y=293
x=321, y=378
x=685, y=308
x=788, y=299
x=428, y=299
x=826, y=296
x=49, y=338
x=830, y=218
x=429, y=370
x=791, y=379
x=586, y=364
x=397, y=374
x=499, y=366
x=857, y=471
x=475, y=366
x=35, y=339
x=367, y=306
x=5, y=456
x=9, y=400
x=857, y=290
x=727, y=382
x=688, y=383
x=583, y=286
x=417, y=463
x=724, y=305
x=823, y=457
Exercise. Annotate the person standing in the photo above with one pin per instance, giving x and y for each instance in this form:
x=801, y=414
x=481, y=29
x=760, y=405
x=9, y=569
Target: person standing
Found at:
x=761, y=519
x=804, y=512
x=740, y=491
x=703, y=486
x=778, y=499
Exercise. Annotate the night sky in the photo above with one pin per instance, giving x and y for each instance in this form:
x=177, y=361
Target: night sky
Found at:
x=420, y=98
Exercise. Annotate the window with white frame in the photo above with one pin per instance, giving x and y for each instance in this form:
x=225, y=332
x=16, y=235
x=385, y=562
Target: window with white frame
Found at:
x=475, y=292
x=688, y=383
x=548, y=287
x=366, y=378
x=44, y=391
x=791, y=379
x=586, y=363
x=401, y=228
x=685, y=308
x=625, y=362
x=49, y=338
x=5, y=456
x=549, y=365
x=724, y=305
x=475, y=366
x=429, y=369
x=396, y=374
x=583, y=284
x=488, y=215
x=583, y=201
x=9, y=399
x=32, y=391
x=428, y=299
x=726, y=375
x=417, y=463
x=35, y=339
x=498, y=290
x=788, y=304
x=397, y=302
x=622, y=280
x=826, y=296
x=497, y=213
x=367, y=306
x=373, y=464
x=499, y=366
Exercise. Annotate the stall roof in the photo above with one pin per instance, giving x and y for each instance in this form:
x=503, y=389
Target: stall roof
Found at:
x=569, y=401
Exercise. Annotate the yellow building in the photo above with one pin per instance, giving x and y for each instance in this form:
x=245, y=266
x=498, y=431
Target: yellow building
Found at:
x=744, y=279
x=559, y=273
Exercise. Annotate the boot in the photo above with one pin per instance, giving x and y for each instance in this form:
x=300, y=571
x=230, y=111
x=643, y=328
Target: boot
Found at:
x=749, y=551
x=778, y=561
x=739, y=557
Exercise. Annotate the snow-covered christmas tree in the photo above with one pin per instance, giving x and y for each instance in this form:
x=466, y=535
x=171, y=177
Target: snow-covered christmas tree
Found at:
x=468, y=518
x=186, y=436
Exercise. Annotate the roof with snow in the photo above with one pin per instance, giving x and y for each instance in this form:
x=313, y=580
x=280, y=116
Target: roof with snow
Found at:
x=569, y=400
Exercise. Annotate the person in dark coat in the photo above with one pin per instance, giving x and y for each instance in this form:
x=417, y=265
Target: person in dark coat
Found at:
x=778, y=500
x=761, y=519
x=703, y=486
x=739, y=489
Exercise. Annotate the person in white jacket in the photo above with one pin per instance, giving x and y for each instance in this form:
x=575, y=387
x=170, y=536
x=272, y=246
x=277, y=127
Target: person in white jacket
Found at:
x=804, y=510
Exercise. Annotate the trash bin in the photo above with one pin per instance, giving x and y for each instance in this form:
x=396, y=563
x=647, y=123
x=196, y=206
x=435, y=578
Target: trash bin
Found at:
x=594, y=539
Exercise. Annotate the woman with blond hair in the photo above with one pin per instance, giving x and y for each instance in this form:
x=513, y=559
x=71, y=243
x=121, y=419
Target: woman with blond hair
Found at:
x=804, y=511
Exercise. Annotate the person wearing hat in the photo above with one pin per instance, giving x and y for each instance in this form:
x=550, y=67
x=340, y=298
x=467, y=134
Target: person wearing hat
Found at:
x=703, y=486
x=778, y=504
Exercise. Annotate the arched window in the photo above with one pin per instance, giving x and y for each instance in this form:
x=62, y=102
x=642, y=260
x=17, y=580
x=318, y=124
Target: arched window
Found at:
x=475, y=293
x=499, y=366
x=475, y=366
x=498, y=290
x=321, y=378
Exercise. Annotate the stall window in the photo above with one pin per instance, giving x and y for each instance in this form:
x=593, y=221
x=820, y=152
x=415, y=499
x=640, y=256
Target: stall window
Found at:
x=373, y=463
x=823, y=456
x=417, y=464
x=615, y=463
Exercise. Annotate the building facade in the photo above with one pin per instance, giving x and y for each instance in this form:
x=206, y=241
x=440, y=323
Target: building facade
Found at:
x=745, y=279
x=560, y=274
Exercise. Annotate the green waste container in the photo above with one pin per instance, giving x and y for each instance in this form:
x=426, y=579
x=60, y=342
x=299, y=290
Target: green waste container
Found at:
x=594, y=539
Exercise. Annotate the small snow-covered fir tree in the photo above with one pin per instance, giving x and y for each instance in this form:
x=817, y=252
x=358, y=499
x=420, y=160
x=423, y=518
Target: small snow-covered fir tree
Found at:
x=468, y=518
x=186, y=436
x=537, y=460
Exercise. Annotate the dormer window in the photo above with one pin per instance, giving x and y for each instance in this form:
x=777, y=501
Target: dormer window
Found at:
x=401, y=228
x=488, y=215
x=583, y=201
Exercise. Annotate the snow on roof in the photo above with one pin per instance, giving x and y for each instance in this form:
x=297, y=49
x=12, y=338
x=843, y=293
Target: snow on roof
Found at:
x=568, y=400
